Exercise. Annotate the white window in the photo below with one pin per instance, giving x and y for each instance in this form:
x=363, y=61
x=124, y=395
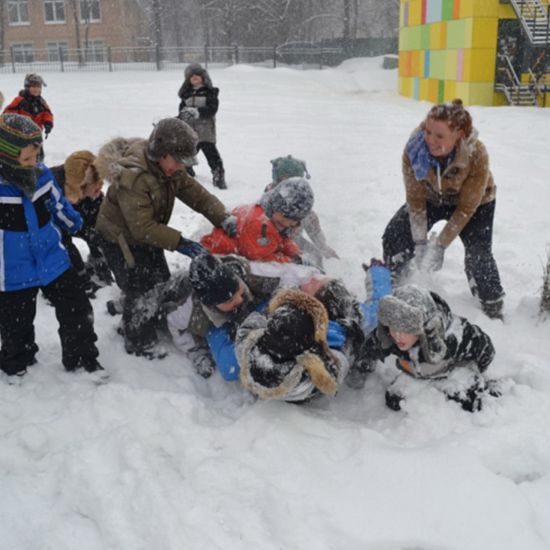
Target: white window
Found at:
x=23, y=53
x=95, y=51
x=54, y=11
x=54, y=48
x=18, y=12
x=90, y=11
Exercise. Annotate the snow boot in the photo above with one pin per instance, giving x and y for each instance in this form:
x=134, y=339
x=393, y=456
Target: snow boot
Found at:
x=218, y=178
x=493, y=308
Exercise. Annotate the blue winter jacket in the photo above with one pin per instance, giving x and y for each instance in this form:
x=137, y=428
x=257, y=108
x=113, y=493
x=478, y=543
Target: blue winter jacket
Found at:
x=31, y=252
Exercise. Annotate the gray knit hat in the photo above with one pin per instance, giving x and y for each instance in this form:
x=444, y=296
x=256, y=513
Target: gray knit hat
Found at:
x=406, y=309
x=172, y=136
x=293, y=198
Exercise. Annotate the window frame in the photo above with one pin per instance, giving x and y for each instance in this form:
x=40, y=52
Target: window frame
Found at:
x=54, y=4
x=24, y=49
x=17, y=4
x=53, y=46
x=91, y=20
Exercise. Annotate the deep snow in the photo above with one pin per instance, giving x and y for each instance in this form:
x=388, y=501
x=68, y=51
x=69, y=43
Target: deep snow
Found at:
x=159, y=459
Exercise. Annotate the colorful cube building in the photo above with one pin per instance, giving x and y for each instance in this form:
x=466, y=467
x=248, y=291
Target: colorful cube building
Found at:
x=448, y=49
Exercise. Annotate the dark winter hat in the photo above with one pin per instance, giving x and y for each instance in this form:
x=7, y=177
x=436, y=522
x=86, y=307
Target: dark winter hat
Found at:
x=16, y=133
x=290, y=331
x=293, y=198
x=288, y=167
x=213, y=282
x=406, y=309
x=172, y=136
x=33, y=79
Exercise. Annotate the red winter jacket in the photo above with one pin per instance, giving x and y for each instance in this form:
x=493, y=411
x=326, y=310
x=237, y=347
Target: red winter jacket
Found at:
x=34, y=107
x=257, y=238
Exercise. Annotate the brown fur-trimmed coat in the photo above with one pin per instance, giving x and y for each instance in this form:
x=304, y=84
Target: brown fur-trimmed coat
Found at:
x=139, y=202
x=317, y=370
x=466, y=183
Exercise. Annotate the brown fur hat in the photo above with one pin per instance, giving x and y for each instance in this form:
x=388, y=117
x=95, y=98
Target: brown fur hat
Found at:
x=79, y=169
x=314, y=361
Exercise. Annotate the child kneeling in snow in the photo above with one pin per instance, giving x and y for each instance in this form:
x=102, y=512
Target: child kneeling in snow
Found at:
x=430, y=342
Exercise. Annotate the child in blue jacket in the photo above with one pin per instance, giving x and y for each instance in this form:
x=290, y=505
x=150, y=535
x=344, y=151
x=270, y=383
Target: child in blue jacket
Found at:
x=32, y=207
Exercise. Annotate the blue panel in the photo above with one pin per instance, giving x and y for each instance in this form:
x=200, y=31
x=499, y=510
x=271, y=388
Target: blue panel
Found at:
x=416, y=88
x=427, y=64
x=433, y=11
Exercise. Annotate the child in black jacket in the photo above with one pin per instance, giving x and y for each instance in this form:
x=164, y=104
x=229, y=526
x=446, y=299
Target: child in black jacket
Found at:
x=430, y=342
x=198, y=107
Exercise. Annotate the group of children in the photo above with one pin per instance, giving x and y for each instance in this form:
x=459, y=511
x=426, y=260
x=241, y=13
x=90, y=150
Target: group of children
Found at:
x=255, y=303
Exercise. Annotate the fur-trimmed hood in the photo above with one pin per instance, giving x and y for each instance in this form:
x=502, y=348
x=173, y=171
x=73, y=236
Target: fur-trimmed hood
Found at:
x=314, y=370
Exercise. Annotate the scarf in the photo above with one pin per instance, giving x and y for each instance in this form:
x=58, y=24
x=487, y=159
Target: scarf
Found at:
x=421, y=158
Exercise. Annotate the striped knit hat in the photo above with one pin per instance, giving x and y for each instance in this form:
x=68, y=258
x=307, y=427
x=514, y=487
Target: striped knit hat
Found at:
x=16, y=133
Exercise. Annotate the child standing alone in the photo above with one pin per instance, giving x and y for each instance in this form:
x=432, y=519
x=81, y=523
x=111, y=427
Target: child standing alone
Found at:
x=198, y=107
x=30, y=103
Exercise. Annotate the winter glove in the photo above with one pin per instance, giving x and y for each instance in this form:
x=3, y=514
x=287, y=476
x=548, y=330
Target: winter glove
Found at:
x=204, y=366
x=190, y=248
x=377, y=280
x=229, y=225
x=188, y=114
x=432, y=259
x=47, y=128
x=336, y=335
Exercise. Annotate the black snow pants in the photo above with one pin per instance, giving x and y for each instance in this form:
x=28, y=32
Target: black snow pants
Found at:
x=212, y=155
x=477, y=237
x=74, y=314
x=150, y=268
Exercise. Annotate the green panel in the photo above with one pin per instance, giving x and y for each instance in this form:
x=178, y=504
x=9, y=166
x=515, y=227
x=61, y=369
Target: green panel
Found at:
x=415, y=38
x=447, y=10
x=441, y=91
x=425, y=37
x=437, y=64
x=457, y=33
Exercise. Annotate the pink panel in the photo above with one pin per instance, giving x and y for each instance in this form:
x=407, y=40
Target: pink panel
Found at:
x=459, y=64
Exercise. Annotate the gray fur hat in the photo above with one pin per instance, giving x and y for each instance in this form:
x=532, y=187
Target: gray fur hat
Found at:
x=293, y=198
x=407, y=309
x=172, y=136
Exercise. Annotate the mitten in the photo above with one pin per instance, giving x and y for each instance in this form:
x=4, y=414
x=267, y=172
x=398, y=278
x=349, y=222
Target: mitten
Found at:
x=47, y=128
x=336, y=335
x=190, y=248
x=432, y=259
x=229, y=225
x=188, y=114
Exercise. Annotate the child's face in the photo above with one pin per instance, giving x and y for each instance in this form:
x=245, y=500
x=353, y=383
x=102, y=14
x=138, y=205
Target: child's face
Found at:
x=35, y=89
x=403, y=340
x=196, y=80
x=28, y=155
x=284, y=225
x=169, y=165
x=234, y=303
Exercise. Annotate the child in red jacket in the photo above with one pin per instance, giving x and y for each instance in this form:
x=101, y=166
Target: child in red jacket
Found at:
x=30, y=103
x=265, y=229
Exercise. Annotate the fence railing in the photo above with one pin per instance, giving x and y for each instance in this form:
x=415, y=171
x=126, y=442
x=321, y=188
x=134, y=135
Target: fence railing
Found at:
x=152, y=58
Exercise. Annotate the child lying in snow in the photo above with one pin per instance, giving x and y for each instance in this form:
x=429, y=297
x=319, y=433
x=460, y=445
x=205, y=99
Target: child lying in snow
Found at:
x=430, y=342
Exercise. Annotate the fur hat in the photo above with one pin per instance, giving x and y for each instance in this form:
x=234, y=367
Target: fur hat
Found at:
x=289, y=332
x=293, y=198
x=213, y=282
x=407, y=309
x=33, y=79
x=77, y=174
x=172, y=136
x=288, y=167
x=309, y=354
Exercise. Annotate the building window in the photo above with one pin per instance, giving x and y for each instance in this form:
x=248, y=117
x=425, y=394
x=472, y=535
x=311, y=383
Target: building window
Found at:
x=90, y=11
x=23, y=53
x=54, y=48
x=54, y=11
x=95, y=51
x=18, y=12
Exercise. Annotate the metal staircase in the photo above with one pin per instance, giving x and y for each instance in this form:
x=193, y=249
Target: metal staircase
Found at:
x=508, y=82
x=535, y=20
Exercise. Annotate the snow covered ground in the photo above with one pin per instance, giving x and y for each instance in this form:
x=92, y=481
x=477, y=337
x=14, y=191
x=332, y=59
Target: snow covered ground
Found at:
x=159, y=459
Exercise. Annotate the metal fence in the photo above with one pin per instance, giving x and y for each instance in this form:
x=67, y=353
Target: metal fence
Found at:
x=121, y=59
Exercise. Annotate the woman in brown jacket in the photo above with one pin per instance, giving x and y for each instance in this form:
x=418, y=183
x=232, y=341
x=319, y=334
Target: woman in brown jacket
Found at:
x=447, y=177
